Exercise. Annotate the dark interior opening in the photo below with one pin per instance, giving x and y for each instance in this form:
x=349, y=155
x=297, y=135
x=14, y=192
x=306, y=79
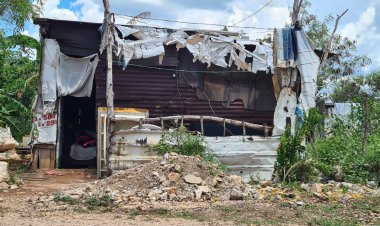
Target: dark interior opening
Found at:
x=78, y=128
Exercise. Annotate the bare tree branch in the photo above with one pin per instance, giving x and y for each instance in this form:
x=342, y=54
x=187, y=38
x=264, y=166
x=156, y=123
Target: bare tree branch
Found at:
x=326, y=50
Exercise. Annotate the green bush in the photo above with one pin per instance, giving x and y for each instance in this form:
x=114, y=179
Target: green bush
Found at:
x=181, y=141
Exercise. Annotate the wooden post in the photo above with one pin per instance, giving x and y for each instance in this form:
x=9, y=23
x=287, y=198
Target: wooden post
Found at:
x=243, y=125
x=107, y=42
x=182, y=121
x=202, y=128
x=224, y=127
x=366, y=129
x=162, y=123
x=296, y=11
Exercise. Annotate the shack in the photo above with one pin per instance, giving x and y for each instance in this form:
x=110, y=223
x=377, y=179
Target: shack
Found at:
x=238, y=93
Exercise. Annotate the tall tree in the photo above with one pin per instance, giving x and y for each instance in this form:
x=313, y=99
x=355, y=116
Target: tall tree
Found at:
x=345, y=60
x=18, y=69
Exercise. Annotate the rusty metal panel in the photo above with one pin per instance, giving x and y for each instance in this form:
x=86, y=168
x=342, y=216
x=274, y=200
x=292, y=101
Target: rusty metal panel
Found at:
x=159, y=92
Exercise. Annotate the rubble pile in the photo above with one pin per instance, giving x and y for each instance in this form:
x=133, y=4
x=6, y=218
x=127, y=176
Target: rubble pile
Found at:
x=174, y=178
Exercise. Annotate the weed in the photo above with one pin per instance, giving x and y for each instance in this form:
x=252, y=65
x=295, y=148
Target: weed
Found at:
x=335, y=222
x=254, y=180
x=65, y=198
x=94, y=201
x=14, y=178
x=132, y=214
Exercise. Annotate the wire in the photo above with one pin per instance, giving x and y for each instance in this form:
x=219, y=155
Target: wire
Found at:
x=178, y=70
x=198, y=23
x=252, y=13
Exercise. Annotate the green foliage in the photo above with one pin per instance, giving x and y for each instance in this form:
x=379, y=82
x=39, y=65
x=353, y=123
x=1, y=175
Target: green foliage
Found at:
x=18, y=82
x=342, y=147
x=66, y=199
x=94, y=201
x=17, y=12
x=181, y=141
x=292, y=163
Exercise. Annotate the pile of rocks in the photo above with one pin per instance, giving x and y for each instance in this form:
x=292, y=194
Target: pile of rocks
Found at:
x=174, y=178
x=7, y=152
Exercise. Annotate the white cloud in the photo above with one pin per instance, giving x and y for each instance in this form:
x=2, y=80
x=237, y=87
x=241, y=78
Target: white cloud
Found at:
x=151, y=2
x=89, y=10
x=354, y=30
x=51, y=10
x=366, y=32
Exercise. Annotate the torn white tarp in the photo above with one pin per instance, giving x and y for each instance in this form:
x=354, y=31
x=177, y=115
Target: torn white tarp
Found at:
x=76, y=75
x=207, y=48
x=44, y=127
x=307, y=63
x=178, y=38
x=262, y=59
x=207, y=51
x=49, y=70
x=285, y=108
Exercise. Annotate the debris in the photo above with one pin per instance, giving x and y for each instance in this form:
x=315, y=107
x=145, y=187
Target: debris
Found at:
x=316, y=188
x=173, y=177
x=145, y=183
x=191, y=179
x=300, y=203
x=4, y=174
x=54, y=172
x=265, y=183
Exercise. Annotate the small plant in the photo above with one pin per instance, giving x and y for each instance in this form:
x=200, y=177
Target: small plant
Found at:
x=94, y=201
x=65, y=198
x=254, y=180
x=181, y=141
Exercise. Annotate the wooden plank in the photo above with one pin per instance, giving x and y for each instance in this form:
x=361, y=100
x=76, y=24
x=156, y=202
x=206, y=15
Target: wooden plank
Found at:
x=35, y=158
x=52, y=158
x=44, y=158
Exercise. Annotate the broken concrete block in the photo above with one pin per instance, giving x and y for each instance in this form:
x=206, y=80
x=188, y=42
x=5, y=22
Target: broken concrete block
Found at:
x=191, y=179
x=173, y=177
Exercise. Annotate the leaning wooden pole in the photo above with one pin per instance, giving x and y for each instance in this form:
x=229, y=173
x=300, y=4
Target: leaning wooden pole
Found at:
x=107, y=42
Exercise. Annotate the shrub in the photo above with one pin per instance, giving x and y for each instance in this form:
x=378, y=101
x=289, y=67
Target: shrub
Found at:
x=181, y=141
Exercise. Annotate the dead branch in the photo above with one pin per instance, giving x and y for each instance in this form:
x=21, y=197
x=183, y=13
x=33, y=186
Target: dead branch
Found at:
x=137, y=18
x=326, y=50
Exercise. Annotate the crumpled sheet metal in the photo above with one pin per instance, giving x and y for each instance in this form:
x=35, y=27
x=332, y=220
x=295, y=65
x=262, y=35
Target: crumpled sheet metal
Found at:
x=244, y=155
x=308, y=64
x=207, y=48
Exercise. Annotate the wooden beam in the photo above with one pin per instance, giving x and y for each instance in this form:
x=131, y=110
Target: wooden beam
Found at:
x=196, y=118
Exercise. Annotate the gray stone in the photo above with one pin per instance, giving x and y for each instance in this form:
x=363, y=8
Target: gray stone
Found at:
x=204, y=189
x=178, y=168
x=300, y=203
x=191, y=179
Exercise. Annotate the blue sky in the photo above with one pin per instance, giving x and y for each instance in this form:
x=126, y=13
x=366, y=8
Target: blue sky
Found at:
x=362, y=21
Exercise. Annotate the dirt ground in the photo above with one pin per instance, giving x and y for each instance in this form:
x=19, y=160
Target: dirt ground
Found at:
x=18, y=207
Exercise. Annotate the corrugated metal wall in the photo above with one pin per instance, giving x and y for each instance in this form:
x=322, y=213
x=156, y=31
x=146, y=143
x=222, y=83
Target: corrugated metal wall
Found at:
x=152, y=89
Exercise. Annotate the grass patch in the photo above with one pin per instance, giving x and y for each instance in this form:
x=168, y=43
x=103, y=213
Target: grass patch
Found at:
x=335, y=222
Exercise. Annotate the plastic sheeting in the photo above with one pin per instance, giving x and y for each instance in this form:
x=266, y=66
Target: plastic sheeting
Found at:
x=76, y=75
x=206, y=48
x=49, y=72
